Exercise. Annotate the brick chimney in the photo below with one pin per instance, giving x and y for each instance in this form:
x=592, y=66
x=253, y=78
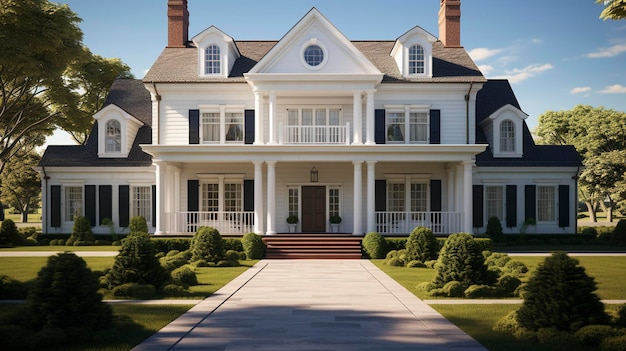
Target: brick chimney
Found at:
x=177, y=24
x=450, y=23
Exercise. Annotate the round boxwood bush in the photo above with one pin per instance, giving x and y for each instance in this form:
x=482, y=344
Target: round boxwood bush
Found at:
x=81, y=232
x=619, y=233
x=138, y=224
x=593, y=335
x=207, y=245
x=453, y=289
x=9, y=233
x=374, y=245
x=494, y=228
x=185, y=276
x=461, y=260
x=65, y=294
x=135, y=290
x=560, y=295
x=480, y=291
x=422, y=245
x=253, y=246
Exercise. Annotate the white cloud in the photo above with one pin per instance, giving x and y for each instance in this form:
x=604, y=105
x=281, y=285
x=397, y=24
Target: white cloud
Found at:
x=483, y=53
x=614, y=89
x=485, y=69
x=608, y=52
x=579, y=90
x=518, y=75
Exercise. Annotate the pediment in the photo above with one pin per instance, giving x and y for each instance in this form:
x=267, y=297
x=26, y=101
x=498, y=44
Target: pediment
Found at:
x=114, y=111
x=340, y=56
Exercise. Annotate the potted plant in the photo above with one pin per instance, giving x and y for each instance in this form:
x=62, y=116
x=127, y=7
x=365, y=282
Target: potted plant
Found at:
x=292, y=221
x=334, y=223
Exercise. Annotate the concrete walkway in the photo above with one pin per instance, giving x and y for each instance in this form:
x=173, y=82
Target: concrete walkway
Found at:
x=292, y=305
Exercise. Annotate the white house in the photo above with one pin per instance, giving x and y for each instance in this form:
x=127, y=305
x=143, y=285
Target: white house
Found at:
x=239, y=135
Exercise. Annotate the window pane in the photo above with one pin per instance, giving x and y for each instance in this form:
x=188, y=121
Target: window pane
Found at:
x=333, y=118
x=507, y=136
x=545, y=203
x=418, y=124
x=212, y=60
x=416, y=59
x=395, y=198
x=234, y=126
x=210, y=197
x=292, y=117
x=210, y=127
x=141, y=203
x=333, y=202
x=419, y=197
x=320, y=117
x=395, y=126
x=494, y=201
x=233, y=197
x=113, y=137
x=293, y=201
x=313, y=55
x=307, y=117
x=73, y=202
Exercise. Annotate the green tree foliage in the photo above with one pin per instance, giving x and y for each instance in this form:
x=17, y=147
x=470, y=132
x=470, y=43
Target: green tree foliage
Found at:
x=613, y=9
x=599, y=135
x=9, y=233
x=65, y=295
x=253, y=246
x=422, y=245
x=374, y=245
x=81, y=232
x=560, y=295
x=137, y=263
x=21, y=184
x=207, y=244
x=138, y=224
x=461, y=260
x=494, y=228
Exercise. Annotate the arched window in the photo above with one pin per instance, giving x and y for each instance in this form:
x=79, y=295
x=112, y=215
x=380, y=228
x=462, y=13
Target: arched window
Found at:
x=416, y=59
x=507, y=136
x=212, y=60
x=113, y=136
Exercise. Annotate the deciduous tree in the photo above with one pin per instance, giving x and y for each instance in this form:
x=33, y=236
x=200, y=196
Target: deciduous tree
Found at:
x=21, y=184
x=613, y=9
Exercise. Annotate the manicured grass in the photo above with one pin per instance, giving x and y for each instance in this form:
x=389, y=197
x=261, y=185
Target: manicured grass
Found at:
x=26, y=268
x=61, y=248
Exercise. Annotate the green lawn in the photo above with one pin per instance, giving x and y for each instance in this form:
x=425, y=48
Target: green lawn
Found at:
x=60, y=248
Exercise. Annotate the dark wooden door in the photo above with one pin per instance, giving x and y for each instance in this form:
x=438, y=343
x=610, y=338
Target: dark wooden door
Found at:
x=314, y=209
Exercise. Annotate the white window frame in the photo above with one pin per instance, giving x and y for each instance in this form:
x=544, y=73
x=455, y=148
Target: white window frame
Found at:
x=493, y=129
x=495, y=202
x=212, y=61
x=408, y=117
x=113, y=136
x=305, y=46
x=416, y=61
x=296, y=114
x=226, y=114
x=73, y=202
x=508, y=136
x=334, y=201
x=141, y=202
x=547, y=201
x=406, y=201
x=222, y=182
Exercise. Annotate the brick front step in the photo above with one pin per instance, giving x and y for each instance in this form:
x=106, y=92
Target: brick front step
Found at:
x=312, y=246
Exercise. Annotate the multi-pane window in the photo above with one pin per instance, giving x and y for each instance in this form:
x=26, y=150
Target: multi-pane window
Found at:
x=546, y=203
x=113, y=136
x=507, y=136
x=212, y=60
x=419, y=201
x=333, y=202
x=141, y=202
x=293, y=201
x=416, y=59
x=395, y=127
x=221, y=127
x=494, y=202
x=234, y=126
x=396, y=197
x=398, y=124
x=313, y=55
x=210, y=127
x=230, y=200
x=233, y=200
x=210, y=197
x=73, y=202
x=418, y=125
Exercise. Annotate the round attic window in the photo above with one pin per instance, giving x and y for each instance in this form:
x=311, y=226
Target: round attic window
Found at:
x=313, y=55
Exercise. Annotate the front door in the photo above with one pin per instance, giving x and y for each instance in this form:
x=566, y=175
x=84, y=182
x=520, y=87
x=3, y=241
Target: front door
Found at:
x=314, y=209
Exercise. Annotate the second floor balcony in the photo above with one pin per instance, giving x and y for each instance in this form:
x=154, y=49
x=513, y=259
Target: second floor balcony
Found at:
x=324, y=134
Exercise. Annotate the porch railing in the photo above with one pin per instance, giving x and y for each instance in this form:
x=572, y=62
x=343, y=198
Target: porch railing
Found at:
x=224, y=222
x=314, y=134
x=405, y=222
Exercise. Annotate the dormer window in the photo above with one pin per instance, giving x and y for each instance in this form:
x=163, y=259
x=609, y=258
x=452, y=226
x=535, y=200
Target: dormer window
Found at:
x=507, y=136
x=113, y=136
x=416, y=59
x=503, y=129
x=212, y=60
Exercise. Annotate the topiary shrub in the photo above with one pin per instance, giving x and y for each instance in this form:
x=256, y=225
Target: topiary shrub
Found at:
x=81, y=232
x=415, y=264
x=616, y=343
x=553, y=336
x=560, y=295
x=620, y=321
x=453, y=289
x=207, y=245
x=253, y=246
x=173, y=290
x=507, y=285
x=460, y=260
x=65, y=294
x=593, y=335
x=137, y=263
x=134, y=290
x=11, y=289
x=185, y=276
x=422, y=245
x=138, y=224
x=374, y=245
x=619, y=233
x=9, y=234
x=589, y=231
x=175, y=259
x=480, y=291
x=233, y=244
x=494, y=228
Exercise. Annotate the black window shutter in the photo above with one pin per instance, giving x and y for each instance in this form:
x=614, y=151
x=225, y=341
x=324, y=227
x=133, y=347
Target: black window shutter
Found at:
x=124, y=205
x=154, y=205
x=511, y=206
x=193, y=200
x=105, y=202
x=435, y=126
x=248, y=194
x=55, y=206
x=380, y=195
x=379, y=126
x=530, y=209
x=90, y=204
x=194, y=127
x=248, y=126
x=435, y=195
x=477, y=206
x=564, y=212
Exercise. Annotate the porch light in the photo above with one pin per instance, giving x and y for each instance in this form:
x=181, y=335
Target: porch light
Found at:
x=314, y=175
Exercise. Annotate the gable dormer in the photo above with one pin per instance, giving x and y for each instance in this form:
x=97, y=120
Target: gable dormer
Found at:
x=503, y=130
x=116, y=131
x=413, y=53
x=217, y=53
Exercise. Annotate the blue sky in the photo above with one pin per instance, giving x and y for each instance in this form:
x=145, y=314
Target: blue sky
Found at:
x=556, y=53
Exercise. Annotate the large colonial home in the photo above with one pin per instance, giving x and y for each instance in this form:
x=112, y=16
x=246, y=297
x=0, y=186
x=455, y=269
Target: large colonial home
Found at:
x=240, y=135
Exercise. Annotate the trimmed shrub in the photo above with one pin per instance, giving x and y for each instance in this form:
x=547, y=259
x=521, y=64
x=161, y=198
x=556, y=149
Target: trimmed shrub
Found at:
x=617, y=343
x=620, y=321
x=185, y=276
x=253, y=246
x=167, y=245
x=593, y=335
x=494, y=228
x=560, y=295
x=175, y=259
x=507, y=324
x=554, y=336
x=135, y=290
x=453, y=289
x=173, y=290
x=65, y=294
x=460, y=260
x=231, y=255
x=374, y=245
x=233, y=244
x=81, y=232
x=479, y=291
x=11, y=289
x=102, y=243
x=138, y=224
x=396, y=243
x=422, y=245
x=9, y=233
x=507, y=285
x=619, y=233
x=416, y=264
x=207, y=245
x=591, y=231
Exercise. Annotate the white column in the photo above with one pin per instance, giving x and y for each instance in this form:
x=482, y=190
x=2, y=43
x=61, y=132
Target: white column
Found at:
x=272, y=117
x=358, y=198
x=371, y=196
x=161, y=168
x=258, y=197
x=258, y=118
x=44, y=201
x=458, y=201
x=357, y=109
x=271, y=197
x=467, y=195
x=450, y=182
x=369, y=118
x=176, y=190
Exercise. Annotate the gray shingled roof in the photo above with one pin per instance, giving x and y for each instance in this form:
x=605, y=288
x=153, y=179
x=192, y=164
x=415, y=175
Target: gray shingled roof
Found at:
x=180, y=65
x=497, y=93
x=131, y=96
